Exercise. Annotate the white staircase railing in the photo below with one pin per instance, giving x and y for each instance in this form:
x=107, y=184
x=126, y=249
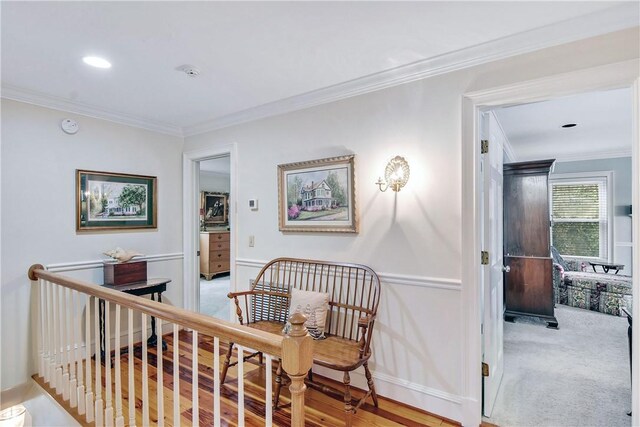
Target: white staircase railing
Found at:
x=75, y=372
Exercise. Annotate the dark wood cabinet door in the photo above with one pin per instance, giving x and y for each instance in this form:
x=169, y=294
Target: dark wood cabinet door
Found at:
x=529, y=285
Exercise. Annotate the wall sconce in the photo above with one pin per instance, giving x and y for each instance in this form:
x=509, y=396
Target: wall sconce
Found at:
x=396, y=175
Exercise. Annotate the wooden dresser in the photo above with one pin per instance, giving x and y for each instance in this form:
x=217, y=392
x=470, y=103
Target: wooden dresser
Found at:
x=528, y=284
x=214, y=253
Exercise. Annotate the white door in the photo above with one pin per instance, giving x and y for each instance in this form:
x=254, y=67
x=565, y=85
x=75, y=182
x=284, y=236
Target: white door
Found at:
x=493, y=289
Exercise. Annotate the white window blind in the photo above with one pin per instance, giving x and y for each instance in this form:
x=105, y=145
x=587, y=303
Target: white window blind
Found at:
x=580, y=217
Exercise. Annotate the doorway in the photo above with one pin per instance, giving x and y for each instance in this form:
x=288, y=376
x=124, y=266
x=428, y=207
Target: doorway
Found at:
x=602, y=78
x=194, y=218
x=580, y=208
x=214, y=236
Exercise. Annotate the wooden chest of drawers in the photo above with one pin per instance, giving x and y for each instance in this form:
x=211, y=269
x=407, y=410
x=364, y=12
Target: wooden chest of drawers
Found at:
x=214, y=253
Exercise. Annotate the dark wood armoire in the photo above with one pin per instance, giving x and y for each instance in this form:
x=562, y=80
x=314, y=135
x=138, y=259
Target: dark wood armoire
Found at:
x=528, y=280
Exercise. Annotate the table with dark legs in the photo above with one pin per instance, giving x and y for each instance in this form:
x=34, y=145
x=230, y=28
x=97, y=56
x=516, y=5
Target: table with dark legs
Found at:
x=151, y=287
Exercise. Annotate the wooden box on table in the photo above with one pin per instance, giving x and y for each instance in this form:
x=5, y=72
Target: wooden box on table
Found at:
x=117, y=274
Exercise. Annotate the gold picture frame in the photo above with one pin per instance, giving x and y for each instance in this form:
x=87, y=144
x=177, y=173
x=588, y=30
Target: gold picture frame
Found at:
x=214, y=208
x=318, y=196
x=108, y=201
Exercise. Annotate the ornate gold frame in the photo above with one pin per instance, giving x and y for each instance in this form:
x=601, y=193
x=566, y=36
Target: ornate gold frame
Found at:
x=287, y=224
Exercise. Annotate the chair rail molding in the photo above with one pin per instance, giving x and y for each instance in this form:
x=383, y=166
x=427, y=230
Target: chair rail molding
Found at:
x=89, y=265
x=385, y=278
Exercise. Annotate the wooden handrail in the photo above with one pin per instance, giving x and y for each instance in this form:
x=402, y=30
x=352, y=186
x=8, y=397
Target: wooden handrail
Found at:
x=248, y=337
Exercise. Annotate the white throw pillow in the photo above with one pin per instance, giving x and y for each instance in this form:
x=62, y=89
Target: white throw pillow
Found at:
x=318, y=301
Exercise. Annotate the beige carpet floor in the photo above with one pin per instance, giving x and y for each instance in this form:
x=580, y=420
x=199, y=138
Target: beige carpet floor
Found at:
x=575, y=376
x=213, y=296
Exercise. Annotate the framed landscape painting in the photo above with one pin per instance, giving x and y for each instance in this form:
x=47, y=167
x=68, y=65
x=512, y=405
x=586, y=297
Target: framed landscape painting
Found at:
x=115, y=201
x=318, y=196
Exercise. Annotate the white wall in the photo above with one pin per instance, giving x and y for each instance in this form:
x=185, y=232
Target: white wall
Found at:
x=214, y=181
x=38, y=210
x=413, y=238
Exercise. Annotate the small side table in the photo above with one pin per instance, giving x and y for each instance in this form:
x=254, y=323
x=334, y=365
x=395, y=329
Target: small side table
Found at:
x=606, y=267
x=151, y=287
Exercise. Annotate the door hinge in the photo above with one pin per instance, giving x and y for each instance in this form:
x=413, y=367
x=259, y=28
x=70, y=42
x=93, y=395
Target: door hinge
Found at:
x=484, y=258
x=485, y=370
x=484, y=146
x=198, y=253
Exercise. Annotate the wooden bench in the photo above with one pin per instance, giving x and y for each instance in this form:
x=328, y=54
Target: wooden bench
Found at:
x=354, y=294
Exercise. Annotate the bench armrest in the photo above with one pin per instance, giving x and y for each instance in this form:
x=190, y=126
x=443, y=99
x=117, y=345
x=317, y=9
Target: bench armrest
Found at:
x=234, y=296
x=366, y=324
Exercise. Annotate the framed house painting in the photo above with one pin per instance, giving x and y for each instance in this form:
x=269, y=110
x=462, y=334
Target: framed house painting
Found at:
x=214, y=208
x=115, y=201
x=318, y=196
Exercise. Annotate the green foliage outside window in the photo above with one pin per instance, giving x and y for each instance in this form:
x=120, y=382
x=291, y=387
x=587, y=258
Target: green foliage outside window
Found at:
x=577, y=214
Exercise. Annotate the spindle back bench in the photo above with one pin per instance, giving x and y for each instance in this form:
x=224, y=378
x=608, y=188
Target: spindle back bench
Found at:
x=354, y=294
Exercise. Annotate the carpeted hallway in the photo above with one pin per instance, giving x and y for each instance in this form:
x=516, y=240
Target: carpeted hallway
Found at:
x=575, y=376
x=213, y=296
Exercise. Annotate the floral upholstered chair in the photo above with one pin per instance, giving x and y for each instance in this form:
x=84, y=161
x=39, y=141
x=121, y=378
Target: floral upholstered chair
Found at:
x=576, y=287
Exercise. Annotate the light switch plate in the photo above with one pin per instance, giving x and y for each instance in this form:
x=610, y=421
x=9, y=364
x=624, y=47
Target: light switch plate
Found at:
x=253, y=204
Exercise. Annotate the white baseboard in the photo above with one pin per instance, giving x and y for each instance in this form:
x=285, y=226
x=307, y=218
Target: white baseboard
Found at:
x=428, y=399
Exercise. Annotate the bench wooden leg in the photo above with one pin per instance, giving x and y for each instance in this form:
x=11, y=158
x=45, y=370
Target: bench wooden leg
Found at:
x=348, y=408
x=225, y=366
x=276, y=394
x=372, y=387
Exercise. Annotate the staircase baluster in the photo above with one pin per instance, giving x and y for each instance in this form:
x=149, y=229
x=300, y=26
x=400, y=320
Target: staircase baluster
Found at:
x=119, y=418
x=216, y=382
x=268, y=399
x=176, y=376
x=65, y=344
x=145, y=374
x=99, y=410
x=195, y=408
x=57, y=356
x=77, y=325
x=131, y=392
x=240, y=350
x=159, y=373
x=73, y=381
x=89, y=405
x=41, y=340
x=108, y=407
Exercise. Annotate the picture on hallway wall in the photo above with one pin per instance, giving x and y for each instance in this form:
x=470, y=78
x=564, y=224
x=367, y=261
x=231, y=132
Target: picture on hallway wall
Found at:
x=107, y=201
x=214, y=208
x=318, y=196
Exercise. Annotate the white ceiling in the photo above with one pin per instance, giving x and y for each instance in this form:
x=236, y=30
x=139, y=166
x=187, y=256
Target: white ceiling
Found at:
x=253, y=53
x=604, y=127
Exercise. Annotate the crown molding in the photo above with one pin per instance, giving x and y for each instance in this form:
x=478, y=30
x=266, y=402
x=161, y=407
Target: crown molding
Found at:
x=609, y=20
x=606, y=21
x=576, y=157
x=36, y=98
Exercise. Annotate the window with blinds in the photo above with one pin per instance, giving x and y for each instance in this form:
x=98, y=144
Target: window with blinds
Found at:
x=579, y=217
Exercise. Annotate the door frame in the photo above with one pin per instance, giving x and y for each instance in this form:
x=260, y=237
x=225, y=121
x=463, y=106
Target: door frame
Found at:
x=611, y=76
x=191, y=223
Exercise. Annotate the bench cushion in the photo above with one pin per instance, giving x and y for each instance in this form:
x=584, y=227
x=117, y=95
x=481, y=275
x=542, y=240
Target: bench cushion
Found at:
x=332, y=352
x=318, y=303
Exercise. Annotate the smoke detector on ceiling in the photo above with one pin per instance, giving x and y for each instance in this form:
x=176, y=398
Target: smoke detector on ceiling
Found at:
x=189, y=70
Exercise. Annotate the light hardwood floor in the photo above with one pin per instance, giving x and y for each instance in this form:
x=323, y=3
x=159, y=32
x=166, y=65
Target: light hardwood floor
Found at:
x=321, y=410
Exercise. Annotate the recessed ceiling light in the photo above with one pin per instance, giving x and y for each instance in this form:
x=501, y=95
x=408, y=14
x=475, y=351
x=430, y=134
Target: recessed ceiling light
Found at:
x=96, y=61
x=570, y=125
